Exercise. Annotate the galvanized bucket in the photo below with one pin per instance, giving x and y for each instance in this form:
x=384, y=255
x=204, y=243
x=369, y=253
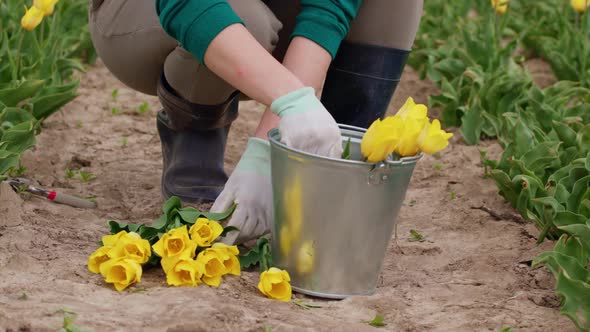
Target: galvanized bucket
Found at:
x=334, y=218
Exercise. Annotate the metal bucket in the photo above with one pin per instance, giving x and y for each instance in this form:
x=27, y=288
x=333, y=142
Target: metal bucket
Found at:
x=334, y=218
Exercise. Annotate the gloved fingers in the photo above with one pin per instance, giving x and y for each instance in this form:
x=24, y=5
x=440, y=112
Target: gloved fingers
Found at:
x=335, y=151
x=238, y=220
x=224, y=201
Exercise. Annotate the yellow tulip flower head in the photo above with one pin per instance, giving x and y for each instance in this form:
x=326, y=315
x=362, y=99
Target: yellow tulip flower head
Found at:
x=432, y=138
x=186, y=272
x=214, y=267
x=412, y=111
x=500, y=6
x=205, y=231
x=97, y=258
x=229, y=257
x=46, y=6
x=32, y=18
x=121, y=272
x=408, y=145
x=274, y=283
x=382, y=138
x=173, y=246
x=111, y=240
x=132, y=246
x=580, y=5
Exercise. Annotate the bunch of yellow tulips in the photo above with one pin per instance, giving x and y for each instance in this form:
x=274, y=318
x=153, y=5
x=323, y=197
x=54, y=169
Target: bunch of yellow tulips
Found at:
x=406, y=134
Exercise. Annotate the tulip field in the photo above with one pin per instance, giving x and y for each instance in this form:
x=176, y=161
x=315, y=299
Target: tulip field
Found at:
x=493, y=235
x=544, y=170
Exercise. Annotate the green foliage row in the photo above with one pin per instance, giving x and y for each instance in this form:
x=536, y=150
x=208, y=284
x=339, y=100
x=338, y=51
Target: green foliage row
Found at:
x=37, y=71
x=475, y=57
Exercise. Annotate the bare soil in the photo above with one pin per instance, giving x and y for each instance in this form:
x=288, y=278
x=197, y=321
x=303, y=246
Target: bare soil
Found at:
x=471, y=274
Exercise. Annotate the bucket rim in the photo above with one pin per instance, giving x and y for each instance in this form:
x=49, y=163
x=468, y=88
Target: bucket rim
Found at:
x=403, y=161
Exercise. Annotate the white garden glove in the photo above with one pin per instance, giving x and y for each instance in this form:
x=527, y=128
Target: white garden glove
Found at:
x=306, y=125
x=249, y=186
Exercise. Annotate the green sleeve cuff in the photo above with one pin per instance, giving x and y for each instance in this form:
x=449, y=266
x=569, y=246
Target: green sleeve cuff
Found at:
x=320, y=33
x=207, y=26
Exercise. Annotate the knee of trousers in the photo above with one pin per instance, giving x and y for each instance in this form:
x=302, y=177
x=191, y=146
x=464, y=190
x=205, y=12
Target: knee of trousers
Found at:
x=130, y=41
x=387, y=23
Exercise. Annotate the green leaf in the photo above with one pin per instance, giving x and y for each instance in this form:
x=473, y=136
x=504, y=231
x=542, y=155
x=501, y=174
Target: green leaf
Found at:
x=565, y=133
x=581, y=231
x=221, y=216
x=11, y=96
x=161, y=222
x=115, y=226
x=562, y=264
x=378, y=321
x=133, y=227
x=20, y=137
x=576, y=300
x=346, y=152
x=171, y=204
x=472, y=122
x=45, y=105
x=228, y=229
x=415, y=236
x=580, y=191
x=190, y=215
x=571, y=246
x=566, y=218
x=260, y=254
x=148, y=233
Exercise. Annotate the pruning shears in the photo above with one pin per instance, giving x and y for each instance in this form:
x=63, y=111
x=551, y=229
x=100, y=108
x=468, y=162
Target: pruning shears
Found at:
x=19, y=184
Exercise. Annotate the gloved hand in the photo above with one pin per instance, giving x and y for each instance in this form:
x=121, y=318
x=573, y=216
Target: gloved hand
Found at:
x=306, y=125
x=249, y=186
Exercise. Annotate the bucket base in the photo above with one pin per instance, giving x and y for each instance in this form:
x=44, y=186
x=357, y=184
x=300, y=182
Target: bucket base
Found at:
x=327, y=295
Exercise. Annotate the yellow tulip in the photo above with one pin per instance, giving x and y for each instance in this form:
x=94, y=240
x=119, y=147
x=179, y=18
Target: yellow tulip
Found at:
x=97, y=258
x=501, y=6
x=229, y=257
x=580, y=5
x=121, y=272
x=214, y=267
x=305, y=258
x=32, y=18
x=111, y=240
x=408, y=145
x=412, y=111
x=274, y=283
x=186, y=272
x=205, y=231
x=432, y=138
x=381, y=139
x=173, y=246
x=132, y=246
x=46, y=6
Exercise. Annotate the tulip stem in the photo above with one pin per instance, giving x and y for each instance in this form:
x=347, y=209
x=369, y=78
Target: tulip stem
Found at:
x=16, y=72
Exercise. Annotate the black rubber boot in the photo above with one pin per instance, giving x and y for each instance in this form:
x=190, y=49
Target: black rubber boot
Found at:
x=193, y=141
x=361, y=81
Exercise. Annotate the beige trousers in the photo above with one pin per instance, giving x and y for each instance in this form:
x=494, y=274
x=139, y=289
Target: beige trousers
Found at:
x=130, y=41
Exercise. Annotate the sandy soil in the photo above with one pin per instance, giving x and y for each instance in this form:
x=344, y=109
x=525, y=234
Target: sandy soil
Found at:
x=472, y=273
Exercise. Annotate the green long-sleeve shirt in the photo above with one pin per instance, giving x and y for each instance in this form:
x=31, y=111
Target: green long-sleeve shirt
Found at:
x=194, y=23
